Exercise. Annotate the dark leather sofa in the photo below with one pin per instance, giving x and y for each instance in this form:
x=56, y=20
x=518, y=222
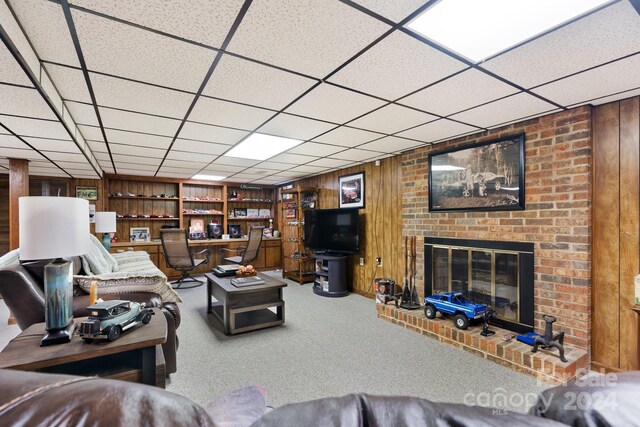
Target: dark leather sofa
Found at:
x=22, y=287
x=33, y=399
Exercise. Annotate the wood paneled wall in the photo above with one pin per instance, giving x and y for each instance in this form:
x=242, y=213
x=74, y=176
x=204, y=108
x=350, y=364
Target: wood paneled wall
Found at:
x=4, y=214
x=380, y=220
x=616, y=234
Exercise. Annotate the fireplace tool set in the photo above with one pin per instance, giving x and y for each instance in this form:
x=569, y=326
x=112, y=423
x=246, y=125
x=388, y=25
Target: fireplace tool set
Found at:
x=409, y=299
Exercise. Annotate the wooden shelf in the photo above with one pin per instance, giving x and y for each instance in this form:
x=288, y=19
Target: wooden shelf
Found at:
x=248, y=219
x=164, y=199
x=249, y=201
x=148, y=219
x=202, y=201
x=203, y=214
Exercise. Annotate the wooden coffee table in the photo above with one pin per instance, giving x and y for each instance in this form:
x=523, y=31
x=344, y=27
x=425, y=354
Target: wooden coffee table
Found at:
x=135, y=356
x=245, y=309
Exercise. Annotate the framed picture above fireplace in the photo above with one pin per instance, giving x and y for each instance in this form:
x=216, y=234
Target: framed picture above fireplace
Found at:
x=487, y=176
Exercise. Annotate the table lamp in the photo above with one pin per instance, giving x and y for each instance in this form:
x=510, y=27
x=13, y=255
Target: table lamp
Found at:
x=106, y=223
x=55, y=228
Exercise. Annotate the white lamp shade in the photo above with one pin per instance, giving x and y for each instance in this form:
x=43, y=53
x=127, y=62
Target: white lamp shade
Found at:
x=106, y=222
x=53, y=227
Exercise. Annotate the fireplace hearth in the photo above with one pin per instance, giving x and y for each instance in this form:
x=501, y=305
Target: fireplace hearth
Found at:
x=498, y=274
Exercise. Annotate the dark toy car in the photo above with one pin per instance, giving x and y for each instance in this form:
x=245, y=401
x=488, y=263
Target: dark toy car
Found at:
x=456, y=304
x=108, y=319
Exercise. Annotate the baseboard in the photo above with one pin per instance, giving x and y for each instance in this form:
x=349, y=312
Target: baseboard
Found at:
x=601, y=367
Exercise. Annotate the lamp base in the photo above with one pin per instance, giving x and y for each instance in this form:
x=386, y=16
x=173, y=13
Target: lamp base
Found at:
x=106, y=241
x=58, y=336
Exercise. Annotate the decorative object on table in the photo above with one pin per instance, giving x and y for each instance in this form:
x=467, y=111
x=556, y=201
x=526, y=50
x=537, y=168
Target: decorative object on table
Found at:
x=106, y=224
x=240, y=212
x=93, y=292
x=267, y=232
x=487, y=317
x=215, y=230
x=109, y=319
x=410, y=300
x=240, y=282
x=487, y=176
x=549, y=340
x=87, y=193
x=243, y=271
x=455, y=304
x=196, y=225
x=385, y=290
x=55, y=228
x=276, y=233
x=139, y=234
x=352, y=191
x=234, y=231
x=92, y=214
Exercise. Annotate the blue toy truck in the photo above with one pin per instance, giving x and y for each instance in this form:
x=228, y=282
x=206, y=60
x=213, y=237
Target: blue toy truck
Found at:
x=456, y=304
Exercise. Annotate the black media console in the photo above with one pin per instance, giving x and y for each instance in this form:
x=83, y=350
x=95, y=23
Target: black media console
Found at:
x=331, y=276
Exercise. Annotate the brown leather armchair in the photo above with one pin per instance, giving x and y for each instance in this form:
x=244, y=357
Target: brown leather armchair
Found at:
x=22, y=287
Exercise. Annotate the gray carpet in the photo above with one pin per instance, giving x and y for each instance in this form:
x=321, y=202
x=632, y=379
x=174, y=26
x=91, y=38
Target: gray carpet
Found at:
x=332, y=347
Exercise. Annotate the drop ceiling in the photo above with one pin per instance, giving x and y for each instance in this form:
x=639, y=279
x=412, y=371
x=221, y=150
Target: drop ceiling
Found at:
x=165, y=89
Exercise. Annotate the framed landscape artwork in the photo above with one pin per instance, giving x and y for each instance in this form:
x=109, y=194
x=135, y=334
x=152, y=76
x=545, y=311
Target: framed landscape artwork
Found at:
x=87, y=193
x=487, y=176
x=351, y=191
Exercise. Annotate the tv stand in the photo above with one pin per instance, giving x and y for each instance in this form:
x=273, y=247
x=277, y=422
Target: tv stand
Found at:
x=331, y=275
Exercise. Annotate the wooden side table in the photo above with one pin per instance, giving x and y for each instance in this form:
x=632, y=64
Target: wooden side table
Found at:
x=135, y=356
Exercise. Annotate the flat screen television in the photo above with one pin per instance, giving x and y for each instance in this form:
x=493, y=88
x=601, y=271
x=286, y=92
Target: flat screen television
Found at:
x=332, y=230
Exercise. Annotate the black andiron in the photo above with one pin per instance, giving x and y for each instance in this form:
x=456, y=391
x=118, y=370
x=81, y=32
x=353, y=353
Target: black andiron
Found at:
x=409, y=299
x=549, y=340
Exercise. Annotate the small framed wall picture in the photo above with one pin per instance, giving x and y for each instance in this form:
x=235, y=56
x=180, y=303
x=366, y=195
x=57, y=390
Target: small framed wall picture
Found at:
x=290, y=213
x=196, y=225
x=351, y=191
x=87, y=193
x=139, y=234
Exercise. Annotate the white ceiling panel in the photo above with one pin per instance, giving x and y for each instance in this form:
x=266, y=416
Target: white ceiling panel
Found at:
x=624, y=95
x=51, y=144
x=128, y=95
x=70, y=82
x=11, y=71
x=137, y=166
x=612, y=78
x=51, y=92
x=82, y=114
x=187, y=164
x=438, y=130
x=135, y=138
x=217, y=169
x=46, y=28
x=91, y=133
x=67, y=157
x=355, y=155
x=334, y=104
x=274, y=166
x=136, y=160
x=130, y=150
x=258, y=170
x=392, y=118
x=34, y=127
x=180, y=171
x=294, y=159
x=199, y=147
x=391, y=144
x=20, y=101
x=505, y=110
x=308, y=169
x=347, y=137
x=243, y=177
x=126, y=51
x=124, y=120
x=593, y=40
x=289, y=174
x=190, y=157
x=393, y=10
x=235, y=161
x=20, y=153
x=223, y=113
x=396, y=66
x=140, y=172
x=255, y=84
x=97, y=146
x=210, y=133
x=465, y=90
x=189, y=19
x=329, y=163
x=266, y=181
x=315, y=149
x=295, y=127
x=284, y=32
x=10, y=141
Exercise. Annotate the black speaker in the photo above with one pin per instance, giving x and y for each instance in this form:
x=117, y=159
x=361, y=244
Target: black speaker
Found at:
x=215, y=231
x=234, y=231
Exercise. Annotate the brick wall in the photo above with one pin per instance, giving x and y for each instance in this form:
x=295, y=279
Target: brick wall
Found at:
x=557, y=218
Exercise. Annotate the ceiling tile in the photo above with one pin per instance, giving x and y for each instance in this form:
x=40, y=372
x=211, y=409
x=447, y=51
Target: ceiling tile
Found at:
x=199, y=147
x=274, y=166
x=139, y=166
x=190, y=157
x=505, y=110
x=135, y=171
x=224, y=113
x=210, y=133
x=11, y=71
x=51, y=144
x=259, y=170
x=235, y=161
x=290, y=173
x=266, y=181
x=308, y=169
x=393, y=10
x=82, y=114
x=255, y=84
x=126, y=51
x=131, y=150
x=315, y=149
x=623, y=95
x=307, y=36
x=35, y=127
x=10, y=141
x=135, y=138
x=437, y=130
x=295, y=127
x=329, y=163
x=187, y=164
x=134, y=161
x=223, y=169
x=21, y=153
x=295, y=159
x=603, y=36
x=334, y=104
x=616, y=77
x=128, y=95
x=163, y=174
x=67, y=157
x=69, y=82
x=347, y=137
x=354, y=154
x=123, y=120
x=392, y=118
x=91, y=133
x=20, y=101
x=47, y=30
x=189, y=19
x=244, y=177
x=465, y=90
x=391, y=144
x=396, y=66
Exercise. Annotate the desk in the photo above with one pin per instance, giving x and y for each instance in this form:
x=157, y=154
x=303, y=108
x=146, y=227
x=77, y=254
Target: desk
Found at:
x=135, y=356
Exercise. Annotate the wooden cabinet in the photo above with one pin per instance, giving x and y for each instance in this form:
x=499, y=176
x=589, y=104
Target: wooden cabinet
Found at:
x=297, y=264
x=202, y=201
x=248, y=207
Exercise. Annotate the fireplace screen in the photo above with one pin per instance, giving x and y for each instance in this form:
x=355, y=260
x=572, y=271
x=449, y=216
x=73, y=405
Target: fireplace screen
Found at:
x=491, y=273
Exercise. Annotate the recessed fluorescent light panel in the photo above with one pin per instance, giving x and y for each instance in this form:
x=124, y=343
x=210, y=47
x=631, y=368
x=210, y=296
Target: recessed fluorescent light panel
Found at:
x=208, y=177
x=259, y=146
x=480, y=29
